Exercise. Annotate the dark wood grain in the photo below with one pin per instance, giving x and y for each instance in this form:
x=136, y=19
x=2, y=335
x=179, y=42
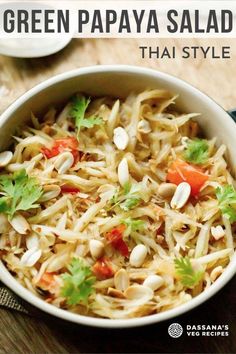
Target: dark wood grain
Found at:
x=39, y=333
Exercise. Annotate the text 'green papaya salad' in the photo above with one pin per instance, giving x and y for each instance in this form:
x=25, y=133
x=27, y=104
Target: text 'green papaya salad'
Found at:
x=116, y=208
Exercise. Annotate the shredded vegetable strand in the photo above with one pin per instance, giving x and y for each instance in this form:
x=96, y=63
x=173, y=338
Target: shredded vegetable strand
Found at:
x=117, y=208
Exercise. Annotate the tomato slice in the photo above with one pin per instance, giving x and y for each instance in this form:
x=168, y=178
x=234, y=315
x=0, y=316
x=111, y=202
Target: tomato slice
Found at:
x=47, y=282
x=115, y=237
x=69, y=189
x=71, y=144
x=103, y=269
x=49, y=153
x=181, y=171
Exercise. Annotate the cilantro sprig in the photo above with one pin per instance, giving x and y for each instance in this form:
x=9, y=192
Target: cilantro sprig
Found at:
x=226, y=196
x=197, y=151
x=78, y=283
x=133, y=225
x=131, y=196
x=78, y=109
x=19, y=192
x=188, y=276
x=128, y=197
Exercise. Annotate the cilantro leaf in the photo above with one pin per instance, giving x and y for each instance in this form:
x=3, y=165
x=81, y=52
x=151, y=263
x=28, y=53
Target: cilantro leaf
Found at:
x=131, y=196
x=127, y=187
x=129, y=203
x=226, y=196
x=79, y=106
x=3, y=205
x=188, y=276
x=20, y=192
x=133, y=225
x=91, y=121
x=197, y=151
x=128, y=198
x=78, y=283
x=229, y=213
x=115, y=198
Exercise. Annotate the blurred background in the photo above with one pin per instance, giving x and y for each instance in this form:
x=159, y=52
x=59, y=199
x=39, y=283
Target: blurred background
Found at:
x=213, y=76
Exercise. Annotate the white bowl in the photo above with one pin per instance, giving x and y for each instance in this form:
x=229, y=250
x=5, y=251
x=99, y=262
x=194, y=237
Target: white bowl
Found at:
x=119, y=81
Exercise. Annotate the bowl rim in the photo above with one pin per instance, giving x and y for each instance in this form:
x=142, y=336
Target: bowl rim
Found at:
x=29, y=297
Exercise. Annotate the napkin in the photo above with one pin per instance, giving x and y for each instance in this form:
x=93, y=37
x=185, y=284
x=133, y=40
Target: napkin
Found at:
x=10, y=301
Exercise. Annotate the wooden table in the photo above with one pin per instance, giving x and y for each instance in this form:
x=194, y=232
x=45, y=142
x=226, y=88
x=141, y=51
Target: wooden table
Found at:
x=42, y=334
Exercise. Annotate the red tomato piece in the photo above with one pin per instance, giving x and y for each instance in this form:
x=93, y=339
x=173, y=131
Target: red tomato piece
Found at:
x=49, y=153
x=115, y=237
x=47, y=282
x=71, y=144
x=69, y=189
x=103, y=269
x=181, y=171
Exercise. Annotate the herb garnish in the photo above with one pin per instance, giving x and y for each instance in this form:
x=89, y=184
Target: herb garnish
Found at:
x=133, y=225
x=226, y=196
x=78, y=283
x=79, y=106
x=188, y=276
x=197, y=151
x=131, y=196
x=20, y=192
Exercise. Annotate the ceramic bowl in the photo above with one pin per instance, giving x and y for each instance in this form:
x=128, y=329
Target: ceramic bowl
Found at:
x=119, y=81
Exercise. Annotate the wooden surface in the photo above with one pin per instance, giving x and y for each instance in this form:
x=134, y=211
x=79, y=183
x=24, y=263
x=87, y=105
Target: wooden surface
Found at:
x=42, y=334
